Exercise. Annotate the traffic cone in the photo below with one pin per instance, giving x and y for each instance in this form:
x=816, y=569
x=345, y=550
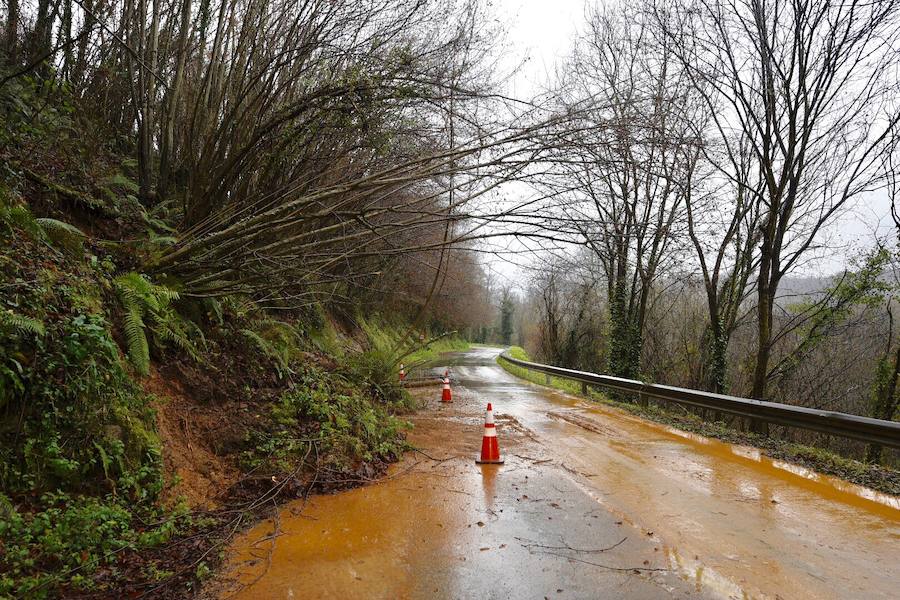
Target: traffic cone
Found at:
x=490, y=449
x=445, y=393
x=402, y=374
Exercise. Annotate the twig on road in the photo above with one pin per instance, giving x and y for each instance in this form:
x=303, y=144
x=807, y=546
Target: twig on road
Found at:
x=602, y=566
x=429, y=457
x=537, y=461
x=533, y=544
x=536, y=548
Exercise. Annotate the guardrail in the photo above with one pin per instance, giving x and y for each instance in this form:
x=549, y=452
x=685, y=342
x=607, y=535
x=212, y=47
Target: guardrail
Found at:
x=865, y=429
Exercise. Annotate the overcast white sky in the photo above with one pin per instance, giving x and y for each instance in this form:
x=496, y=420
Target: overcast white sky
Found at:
x=540, y=33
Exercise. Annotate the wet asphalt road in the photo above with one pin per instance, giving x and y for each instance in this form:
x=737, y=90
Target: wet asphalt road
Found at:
x=591, y=503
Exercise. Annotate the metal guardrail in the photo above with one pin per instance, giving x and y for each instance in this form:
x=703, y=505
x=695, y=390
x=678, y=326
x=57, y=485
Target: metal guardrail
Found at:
x=866, y=429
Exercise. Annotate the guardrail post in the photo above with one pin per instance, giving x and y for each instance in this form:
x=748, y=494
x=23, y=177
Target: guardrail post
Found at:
x=584, y=388
x=546, y=378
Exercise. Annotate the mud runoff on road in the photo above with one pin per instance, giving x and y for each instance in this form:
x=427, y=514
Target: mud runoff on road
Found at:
x=591, y=503
x=444, y=527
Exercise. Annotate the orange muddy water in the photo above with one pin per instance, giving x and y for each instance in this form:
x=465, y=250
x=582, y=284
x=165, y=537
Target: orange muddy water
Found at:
x=591, y=503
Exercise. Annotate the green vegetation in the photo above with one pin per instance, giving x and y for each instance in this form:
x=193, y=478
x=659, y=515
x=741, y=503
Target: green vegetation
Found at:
x=82, y=478
x=390, y=345
x=194, y=313
x=80, y=462
x=66, y=542
x=434, y=349
x=142, y=300
x=559, y=383
x=870, y=475
x=331, y=415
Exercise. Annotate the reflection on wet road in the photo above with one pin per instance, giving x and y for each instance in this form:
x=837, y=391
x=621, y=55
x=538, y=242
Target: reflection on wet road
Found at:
x=715, y=519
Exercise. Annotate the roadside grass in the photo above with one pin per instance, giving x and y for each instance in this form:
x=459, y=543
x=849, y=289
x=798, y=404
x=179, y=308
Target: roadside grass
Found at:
x=432, y=350
x=876, y=477
x=559, y=383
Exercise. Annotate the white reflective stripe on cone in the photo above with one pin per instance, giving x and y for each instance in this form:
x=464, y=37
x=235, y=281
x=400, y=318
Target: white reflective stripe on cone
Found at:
x=489, y=418
x=490, y=432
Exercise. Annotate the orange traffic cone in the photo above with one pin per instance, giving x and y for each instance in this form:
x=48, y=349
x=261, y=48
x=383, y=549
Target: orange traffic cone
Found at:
x=490, y=449
x=445, y=393
x=402, y=374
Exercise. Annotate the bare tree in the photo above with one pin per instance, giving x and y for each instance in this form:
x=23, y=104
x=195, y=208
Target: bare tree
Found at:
x=809, y=89
x=621, y=166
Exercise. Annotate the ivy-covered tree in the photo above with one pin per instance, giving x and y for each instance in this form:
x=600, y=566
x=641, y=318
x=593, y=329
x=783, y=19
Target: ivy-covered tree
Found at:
x=507, y=310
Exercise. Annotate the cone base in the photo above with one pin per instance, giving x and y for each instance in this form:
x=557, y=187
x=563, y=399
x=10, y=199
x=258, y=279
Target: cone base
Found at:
x=499, y=461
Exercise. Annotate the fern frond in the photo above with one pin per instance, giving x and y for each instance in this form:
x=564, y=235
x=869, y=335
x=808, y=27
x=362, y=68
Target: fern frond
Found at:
x=140, y=290
x=215, y=307
x=157, y=224
x=269, y=350
x=241, y=305
x=163, y=240
x=124, y=182
x=62, y=234
x=169, y=326
x=138, y=347
x=19, y=217
x=142, y=299
x=261, y=343
x=21, y=323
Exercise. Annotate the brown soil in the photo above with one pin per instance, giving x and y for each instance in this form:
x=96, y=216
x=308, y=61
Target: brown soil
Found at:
x=193, y=470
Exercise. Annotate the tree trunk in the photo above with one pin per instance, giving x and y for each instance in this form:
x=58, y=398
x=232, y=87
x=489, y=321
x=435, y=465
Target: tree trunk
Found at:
x=765, y=305
x=148, y=96
x=716, y=359
x=885, y=401
x=168, y=141
x=78, y=72
x=12, y=29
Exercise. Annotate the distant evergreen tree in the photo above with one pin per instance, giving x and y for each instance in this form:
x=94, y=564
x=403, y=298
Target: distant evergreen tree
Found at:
x=507, y=308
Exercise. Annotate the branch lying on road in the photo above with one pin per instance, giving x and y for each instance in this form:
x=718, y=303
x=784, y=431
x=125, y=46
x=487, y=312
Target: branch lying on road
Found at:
x=535, y=548
x=533, y=544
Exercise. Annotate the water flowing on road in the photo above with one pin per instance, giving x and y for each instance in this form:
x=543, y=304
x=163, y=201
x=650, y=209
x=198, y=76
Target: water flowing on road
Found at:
x=592, y=502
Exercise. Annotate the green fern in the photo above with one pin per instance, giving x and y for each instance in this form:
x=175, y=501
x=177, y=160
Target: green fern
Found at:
x=215, y=309
x=261, y=344
x=123, y=182
x=135, y=336
x=19, y=217
x=148, y=306
x=241, y=306
x=62, y=234
x=276, y=339
x=172, y=327
x=21, y=323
